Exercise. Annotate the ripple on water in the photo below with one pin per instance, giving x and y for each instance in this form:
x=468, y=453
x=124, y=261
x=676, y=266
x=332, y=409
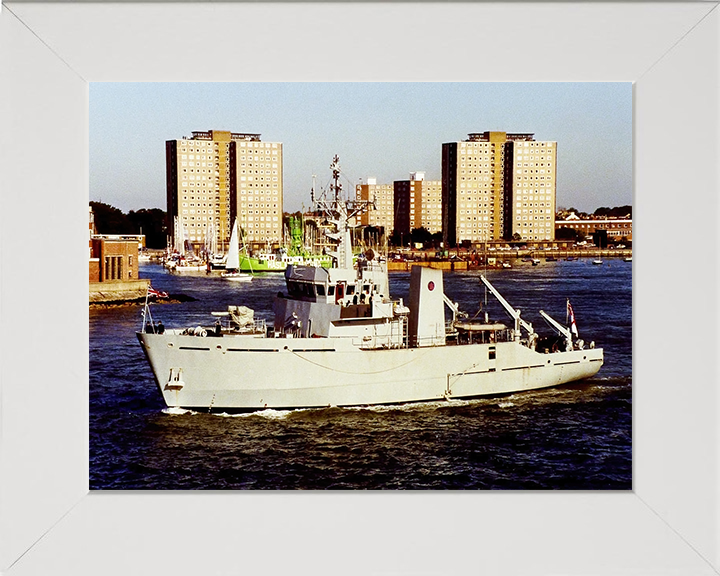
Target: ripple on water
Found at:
x=577, y=436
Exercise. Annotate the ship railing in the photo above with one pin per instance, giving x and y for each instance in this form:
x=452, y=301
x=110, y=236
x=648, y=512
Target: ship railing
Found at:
x=505, y=335
x=396, y=337
x=227, y=326
x=482, y=337
x=450, y=329
x=379, y=343
x=258, y=326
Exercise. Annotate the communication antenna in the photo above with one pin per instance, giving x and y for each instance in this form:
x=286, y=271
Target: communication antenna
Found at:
x=335, y=167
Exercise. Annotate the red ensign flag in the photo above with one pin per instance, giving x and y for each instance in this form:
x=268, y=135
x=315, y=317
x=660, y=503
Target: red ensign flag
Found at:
x=571, y=316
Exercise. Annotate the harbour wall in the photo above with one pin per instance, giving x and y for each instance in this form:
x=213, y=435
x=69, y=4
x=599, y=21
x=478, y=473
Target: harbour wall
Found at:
x=446, y=265
x=118, y=291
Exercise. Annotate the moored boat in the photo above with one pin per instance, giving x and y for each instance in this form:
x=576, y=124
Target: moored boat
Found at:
x=182, y=265
x=180, y=260
x=278, y=261
x=339, y=339
x=232, y=263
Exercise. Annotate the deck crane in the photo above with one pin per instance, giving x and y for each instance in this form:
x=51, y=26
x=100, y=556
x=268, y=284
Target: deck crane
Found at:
x=456, y=312
x=515, y=314
x=564, y=331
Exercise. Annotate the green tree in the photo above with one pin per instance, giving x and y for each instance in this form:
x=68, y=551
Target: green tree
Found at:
x=616, y=212
x=110, y=220
x=566, y=233
x=398, y=239
x=421, y=234
x=151, y=223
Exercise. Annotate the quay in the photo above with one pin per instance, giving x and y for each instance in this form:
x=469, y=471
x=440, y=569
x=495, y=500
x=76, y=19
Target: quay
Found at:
x=459, y=260
x=462, y=260
x=118, y=291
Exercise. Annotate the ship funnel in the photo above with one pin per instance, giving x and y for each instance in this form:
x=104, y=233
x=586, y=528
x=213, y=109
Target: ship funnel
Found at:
x=426, y=322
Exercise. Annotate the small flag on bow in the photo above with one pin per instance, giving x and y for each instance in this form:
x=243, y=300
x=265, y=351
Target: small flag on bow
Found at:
x=156, y=293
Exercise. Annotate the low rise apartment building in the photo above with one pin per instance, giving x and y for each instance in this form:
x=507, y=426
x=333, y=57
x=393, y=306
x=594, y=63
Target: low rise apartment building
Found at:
x=616, y=228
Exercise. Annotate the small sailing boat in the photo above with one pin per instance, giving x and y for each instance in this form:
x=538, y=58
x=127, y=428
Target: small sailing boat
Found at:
x=232, y=264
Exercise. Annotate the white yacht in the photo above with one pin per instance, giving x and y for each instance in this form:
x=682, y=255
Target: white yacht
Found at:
x=339, y=339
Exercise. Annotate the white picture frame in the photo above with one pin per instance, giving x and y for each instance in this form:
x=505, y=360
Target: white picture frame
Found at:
x=49, y=523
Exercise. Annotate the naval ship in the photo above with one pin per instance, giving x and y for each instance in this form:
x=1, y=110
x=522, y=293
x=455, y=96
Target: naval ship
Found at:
x=339, y=339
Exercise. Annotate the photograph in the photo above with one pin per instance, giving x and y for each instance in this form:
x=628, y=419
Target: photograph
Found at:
x=70, y=494
x=361, y=286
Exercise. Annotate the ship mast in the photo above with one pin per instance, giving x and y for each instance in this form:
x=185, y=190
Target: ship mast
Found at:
x=339, y=212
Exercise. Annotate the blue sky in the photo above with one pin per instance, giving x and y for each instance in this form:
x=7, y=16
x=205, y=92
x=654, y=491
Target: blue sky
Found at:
x=381, y=130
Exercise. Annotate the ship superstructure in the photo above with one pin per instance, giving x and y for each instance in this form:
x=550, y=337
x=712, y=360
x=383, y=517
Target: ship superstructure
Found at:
x=339, y=339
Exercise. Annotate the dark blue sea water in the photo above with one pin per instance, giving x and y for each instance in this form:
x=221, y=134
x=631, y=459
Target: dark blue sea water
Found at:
x=575, y=437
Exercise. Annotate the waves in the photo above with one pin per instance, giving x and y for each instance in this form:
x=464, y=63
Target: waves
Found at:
x=577, y=436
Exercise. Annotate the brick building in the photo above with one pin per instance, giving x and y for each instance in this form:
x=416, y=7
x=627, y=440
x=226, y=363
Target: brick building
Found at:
x=113, y=266
x=113, y=259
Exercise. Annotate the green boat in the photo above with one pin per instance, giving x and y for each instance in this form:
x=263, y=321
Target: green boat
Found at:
x=282, y=258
